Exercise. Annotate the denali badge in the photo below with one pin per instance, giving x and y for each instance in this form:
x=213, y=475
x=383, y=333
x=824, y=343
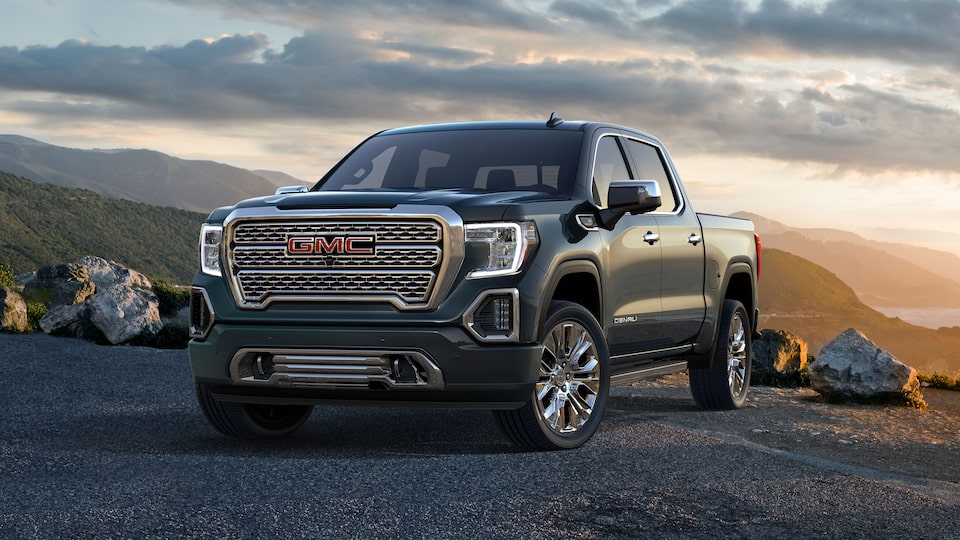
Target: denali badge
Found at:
x=332, y=245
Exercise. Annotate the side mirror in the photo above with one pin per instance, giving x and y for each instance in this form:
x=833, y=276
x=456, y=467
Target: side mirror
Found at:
x=291, y=189
x=629, y=197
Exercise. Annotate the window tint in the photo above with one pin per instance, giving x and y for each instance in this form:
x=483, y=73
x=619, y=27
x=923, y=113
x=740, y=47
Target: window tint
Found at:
x=481, y=159
x=649, y=165
x=608, y=166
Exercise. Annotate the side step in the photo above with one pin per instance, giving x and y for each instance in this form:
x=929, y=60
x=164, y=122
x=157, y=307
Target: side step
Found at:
x=646, y=371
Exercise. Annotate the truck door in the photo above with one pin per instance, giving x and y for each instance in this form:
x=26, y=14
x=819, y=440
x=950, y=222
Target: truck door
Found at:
x=681, y=245
x=631, y=263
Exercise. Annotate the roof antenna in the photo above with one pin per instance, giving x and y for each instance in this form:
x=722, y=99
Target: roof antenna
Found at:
x=554, y=120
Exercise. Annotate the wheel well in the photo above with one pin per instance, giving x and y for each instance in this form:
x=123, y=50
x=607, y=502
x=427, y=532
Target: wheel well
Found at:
x=580, y=288
x=740, y=288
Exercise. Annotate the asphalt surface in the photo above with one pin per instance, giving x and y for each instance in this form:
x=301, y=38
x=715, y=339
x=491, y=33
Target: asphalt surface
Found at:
x=108, y=442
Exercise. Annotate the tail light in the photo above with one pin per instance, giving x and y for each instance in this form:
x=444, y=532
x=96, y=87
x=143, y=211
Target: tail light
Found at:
x=756, y=240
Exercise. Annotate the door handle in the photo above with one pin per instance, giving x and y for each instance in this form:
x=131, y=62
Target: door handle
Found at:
x=651, y=238
x=694, y=239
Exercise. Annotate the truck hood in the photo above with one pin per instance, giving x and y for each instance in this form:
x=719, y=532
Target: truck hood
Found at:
x=471, y=205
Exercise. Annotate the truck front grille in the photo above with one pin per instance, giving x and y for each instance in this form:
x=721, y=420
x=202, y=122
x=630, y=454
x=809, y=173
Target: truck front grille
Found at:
x=332, y=258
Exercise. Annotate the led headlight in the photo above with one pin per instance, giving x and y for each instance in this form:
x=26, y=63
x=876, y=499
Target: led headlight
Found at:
x=506, y=246
x=211, y=236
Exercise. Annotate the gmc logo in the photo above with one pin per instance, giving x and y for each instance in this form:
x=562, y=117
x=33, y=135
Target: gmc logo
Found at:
x=331, y=245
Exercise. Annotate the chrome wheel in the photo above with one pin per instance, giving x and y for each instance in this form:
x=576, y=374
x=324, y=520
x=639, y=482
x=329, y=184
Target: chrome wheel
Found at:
x=569, y=378
x=737, y=356
x=568, y=400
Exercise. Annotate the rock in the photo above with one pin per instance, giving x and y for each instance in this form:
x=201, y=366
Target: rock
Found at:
x=60, y=285
x=69, y=321
x=122, y=313
x=853, y=368
x=108, y=273
x=13, y=311
x=94, y=297
x=779, y=351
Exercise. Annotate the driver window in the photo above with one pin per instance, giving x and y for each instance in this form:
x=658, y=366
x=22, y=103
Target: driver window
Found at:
x=608, y=166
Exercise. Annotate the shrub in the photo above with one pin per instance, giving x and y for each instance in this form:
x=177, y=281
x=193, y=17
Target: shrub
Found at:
x=172, y=298
x=6, y=276
x=940, y=380
x=793, y=379
x=35, y=312
x=171, y=336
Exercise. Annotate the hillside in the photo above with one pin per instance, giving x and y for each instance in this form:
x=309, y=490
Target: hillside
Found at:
x=882, y=274
x=806, y=299
x=138, y=175
x=43, y=224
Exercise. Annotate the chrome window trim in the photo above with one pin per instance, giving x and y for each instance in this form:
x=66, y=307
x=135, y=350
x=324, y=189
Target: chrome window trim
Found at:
x=672, y=177
x=451, y=260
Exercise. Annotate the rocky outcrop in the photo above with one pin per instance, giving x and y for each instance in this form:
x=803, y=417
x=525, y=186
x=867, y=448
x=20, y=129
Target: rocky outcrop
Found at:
x=120, y=306
x=13, y=311
x=60, y=285
x=779, y=351
x=853, y=368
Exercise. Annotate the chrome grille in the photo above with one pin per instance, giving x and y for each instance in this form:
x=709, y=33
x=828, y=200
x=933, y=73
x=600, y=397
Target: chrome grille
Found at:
x=403, y=269
x=277, y=233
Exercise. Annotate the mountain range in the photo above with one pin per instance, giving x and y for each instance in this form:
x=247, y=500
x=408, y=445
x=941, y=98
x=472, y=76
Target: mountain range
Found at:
x=143, y=176
x=811, y=302
x=42, y=224
x=883, y=274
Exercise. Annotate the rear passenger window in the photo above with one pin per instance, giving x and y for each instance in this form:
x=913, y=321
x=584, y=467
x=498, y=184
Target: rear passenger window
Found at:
x=649, y=165
x=607, y=167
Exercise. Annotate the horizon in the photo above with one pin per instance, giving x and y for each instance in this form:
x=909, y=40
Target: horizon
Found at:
x=829, y=114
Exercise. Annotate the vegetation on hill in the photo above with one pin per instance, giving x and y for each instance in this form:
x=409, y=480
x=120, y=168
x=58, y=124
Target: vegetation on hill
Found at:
x=43, y=224
x=800, y=297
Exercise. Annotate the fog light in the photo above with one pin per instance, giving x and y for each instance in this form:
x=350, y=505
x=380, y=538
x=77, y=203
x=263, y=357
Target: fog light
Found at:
x=493, y=316
x=201, y=313
x=502, y=313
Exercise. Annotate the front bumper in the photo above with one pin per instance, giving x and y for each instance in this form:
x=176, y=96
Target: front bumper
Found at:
x=363, y=365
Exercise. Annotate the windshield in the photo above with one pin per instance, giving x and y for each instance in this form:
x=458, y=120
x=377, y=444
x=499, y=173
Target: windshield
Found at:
x=479, y=159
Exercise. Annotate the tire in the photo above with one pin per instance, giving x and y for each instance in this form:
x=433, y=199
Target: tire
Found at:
x=569, y=399
x=724, y=384
x=248, y=420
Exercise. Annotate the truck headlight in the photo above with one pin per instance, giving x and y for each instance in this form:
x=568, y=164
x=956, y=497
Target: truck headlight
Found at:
x=506, y=246
x=211, y=236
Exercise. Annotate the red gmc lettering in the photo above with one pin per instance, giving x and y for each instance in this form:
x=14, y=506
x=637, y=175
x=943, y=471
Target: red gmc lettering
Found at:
x=300, y=245
x=350, y=245
x=331, y=245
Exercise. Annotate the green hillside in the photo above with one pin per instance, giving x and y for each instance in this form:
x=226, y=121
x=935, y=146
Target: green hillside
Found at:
x=798, y=296
x=42, y=224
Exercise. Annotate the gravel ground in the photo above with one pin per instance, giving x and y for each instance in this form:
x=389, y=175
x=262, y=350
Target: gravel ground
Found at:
x=108, y=442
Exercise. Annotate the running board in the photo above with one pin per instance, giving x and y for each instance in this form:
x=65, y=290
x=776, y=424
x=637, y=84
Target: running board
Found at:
x=640, y=373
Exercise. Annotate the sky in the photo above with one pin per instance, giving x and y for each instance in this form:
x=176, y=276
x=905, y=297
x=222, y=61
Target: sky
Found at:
x=829, y=113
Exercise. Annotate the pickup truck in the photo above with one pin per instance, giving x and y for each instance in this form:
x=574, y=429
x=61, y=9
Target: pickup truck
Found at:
x=522, y=267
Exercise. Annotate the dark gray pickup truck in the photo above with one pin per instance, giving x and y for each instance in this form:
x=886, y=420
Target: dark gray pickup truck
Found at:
x=522, y=267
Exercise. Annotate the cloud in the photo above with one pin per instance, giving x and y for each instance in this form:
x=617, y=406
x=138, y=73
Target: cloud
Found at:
x=349, y=71
x=310, y=14
x=914, y=32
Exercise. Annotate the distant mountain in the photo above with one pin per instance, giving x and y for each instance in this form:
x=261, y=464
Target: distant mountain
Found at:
x=138, y=175
x=808, y=300
x=281, y=179
x=42, y=224
x=882, y=274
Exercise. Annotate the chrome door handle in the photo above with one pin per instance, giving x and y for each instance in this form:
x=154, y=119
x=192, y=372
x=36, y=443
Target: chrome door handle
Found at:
x=651, y=238
x=694, y=239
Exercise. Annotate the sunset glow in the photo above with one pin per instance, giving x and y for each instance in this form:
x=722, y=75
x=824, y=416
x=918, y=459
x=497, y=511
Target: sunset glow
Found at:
x=839, y=113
